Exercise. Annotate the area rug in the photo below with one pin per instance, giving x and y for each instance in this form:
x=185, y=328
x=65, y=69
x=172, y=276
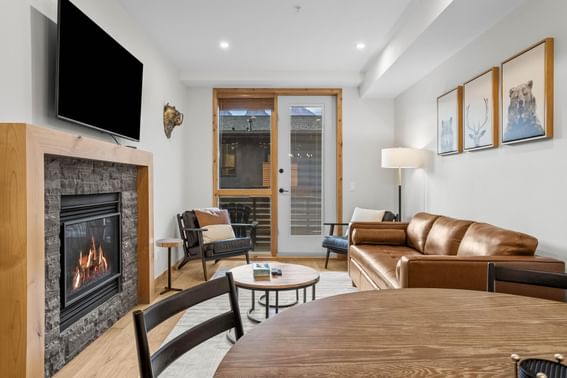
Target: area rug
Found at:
x=203, y=360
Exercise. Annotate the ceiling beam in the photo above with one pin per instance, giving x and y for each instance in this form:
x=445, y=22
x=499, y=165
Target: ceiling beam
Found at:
x=427, y=35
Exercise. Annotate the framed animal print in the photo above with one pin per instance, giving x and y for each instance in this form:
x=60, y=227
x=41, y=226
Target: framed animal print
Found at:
x=480, y=101
x=527, y=94
x=449, y=122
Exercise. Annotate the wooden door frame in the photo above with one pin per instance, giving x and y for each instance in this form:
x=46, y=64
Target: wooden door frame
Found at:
x=274, y=93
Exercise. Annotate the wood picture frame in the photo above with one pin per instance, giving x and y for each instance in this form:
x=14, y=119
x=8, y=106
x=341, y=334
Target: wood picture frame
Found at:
x=481, y=107
x=450, y=122
x=527, y=94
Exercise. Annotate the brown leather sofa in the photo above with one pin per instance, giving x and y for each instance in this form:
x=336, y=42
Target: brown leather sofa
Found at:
x=439, y=252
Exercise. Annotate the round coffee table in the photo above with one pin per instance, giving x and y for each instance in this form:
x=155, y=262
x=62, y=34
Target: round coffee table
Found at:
x=294, y=277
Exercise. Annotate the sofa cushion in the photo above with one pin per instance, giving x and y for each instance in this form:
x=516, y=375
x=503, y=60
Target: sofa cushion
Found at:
x=483, y=239
x=365, y=215
x=445, y=236
x=418, y=229
x=379, y=261
x=379, y=236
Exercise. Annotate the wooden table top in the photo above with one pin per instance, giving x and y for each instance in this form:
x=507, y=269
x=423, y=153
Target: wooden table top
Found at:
x=401, y=333
x=293, y=276
x=166, y=243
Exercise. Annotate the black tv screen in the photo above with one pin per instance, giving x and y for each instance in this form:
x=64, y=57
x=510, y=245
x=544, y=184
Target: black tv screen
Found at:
x=99, y=83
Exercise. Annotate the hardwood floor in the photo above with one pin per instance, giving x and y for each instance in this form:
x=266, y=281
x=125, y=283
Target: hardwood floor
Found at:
x=114, y=353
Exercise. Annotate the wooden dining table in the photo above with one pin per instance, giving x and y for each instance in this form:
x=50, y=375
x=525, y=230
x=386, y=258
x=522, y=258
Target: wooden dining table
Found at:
x=401, y=333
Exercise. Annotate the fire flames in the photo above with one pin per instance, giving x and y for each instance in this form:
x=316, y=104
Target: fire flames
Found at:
x=90, y=265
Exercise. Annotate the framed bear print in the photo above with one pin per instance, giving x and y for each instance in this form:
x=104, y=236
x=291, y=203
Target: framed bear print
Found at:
x=527, y=94
x=480, y=101
x=449, y=122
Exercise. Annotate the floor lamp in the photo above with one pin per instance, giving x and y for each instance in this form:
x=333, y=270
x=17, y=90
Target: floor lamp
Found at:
x=399, y=158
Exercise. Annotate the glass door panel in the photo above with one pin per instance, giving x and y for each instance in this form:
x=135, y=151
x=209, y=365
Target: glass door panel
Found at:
x=307, y=172
x=245, y=148
x=244, y=167
x=306, y=169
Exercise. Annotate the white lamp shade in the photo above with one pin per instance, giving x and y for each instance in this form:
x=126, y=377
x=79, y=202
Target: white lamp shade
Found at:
x=401, y=157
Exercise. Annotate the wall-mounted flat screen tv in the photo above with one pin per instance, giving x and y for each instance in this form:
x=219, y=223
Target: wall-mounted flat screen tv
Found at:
x=99, y=83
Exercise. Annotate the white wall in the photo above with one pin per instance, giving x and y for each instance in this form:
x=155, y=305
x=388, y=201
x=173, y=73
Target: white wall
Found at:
x=199, y=147
x=14, y=60
x=27, y=93
x=367, y=127
x=521, y=187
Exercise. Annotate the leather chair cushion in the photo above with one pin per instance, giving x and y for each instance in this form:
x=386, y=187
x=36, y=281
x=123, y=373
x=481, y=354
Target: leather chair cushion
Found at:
x=212, y=215
x=445, y=236
x=418, y=229
x=227, y=246
x=336, y=243
x=483, y=239
x=379, y=236
x=379, y=261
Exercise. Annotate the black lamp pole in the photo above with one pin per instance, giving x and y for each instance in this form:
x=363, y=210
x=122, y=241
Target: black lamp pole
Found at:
x=399, y=202
x=399, y=194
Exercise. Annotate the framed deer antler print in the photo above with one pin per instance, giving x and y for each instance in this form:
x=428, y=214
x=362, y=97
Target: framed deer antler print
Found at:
x=480, y=107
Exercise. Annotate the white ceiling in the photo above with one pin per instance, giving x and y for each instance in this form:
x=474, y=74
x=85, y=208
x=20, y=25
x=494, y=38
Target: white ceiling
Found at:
x=274, y=44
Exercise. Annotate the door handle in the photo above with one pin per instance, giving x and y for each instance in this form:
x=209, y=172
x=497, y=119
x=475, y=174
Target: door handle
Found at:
x=282, y=190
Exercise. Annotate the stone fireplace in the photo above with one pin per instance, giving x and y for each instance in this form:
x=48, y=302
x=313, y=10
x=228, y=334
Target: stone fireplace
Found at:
x=30, y=263
x=90, y=246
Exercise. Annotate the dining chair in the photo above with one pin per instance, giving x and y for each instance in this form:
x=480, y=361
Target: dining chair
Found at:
x=523, y=276
x=151, y=365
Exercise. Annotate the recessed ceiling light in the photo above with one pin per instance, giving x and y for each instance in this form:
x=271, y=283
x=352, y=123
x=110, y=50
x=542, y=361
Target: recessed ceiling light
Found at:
x=360, y=46
x=224, y=45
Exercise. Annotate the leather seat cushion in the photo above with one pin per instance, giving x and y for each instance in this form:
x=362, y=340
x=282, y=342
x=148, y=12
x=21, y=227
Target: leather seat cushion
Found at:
x=379, y=261
x=418, y=229
x=445, y=236
x=336, y=243
x=227, y=246
x=483, y=239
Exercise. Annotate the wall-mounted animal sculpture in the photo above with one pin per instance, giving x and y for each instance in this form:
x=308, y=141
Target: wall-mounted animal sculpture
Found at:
x=171, y=118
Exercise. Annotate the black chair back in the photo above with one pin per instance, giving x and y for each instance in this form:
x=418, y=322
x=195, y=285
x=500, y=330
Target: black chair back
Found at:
x=151, y=365
x=522, y=276
x=186, y=220
x=238, y=213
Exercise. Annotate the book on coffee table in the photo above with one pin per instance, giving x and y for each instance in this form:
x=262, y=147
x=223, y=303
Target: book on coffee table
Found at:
x=261, y=271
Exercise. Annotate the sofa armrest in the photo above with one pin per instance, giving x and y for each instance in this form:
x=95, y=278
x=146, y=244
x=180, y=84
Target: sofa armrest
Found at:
x=466, y=272
x=376, y=232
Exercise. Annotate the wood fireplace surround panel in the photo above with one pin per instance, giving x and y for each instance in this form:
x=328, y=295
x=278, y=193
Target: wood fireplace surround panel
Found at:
x=22, y=249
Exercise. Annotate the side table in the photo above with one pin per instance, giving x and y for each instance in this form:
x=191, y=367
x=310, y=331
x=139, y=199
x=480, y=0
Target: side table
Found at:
x=169, y=243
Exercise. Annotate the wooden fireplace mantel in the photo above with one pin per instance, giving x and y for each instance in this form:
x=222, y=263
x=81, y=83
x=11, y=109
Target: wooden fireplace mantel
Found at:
x=22, y=245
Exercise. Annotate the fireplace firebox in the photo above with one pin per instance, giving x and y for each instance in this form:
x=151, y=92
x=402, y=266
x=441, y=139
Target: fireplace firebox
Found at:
x=90, y=253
